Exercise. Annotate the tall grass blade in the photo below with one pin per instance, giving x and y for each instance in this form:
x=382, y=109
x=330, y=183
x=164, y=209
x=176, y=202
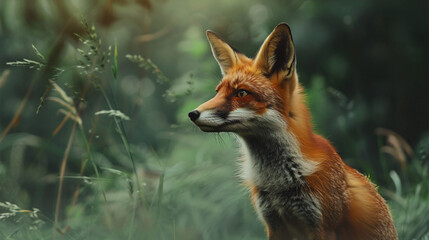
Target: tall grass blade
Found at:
x=62, y=171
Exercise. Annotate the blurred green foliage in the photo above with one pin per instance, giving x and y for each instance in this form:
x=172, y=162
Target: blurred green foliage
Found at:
x=364, y=65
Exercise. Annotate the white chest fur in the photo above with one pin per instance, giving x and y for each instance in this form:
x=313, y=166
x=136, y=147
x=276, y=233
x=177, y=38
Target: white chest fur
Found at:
x=274, y=164
x=274, y=161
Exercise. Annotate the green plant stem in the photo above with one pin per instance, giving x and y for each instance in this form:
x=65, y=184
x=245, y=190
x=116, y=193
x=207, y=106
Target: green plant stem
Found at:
x=120, y=127
x=62, y=171
x=88, y=149
x=121, y=130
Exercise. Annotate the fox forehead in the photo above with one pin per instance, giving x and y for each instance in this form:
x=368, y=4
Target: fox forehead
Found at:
x=252, y=80
x=244, y=78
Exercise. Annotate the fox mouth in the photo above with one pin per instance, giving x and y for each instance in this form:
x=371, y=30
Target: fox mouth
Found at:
x=217, y=128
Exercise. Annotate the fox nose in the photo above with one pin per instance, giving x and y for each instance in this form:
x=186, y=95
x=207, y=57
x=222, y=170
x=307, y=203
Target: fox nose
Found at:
x=193, y=115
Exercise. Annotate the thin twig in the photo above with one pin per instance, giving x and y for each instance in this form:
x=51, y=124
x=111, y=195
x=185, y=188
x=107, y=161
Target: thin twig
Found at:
x=18, y=111
x=62, y=171
x=61, y=125
x=3, y=77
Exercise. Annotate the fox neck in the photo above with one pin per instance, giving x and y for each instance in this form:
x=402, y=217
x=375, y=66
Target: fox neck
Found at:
x=273, y=159
x=311, y=145
x=288, y=150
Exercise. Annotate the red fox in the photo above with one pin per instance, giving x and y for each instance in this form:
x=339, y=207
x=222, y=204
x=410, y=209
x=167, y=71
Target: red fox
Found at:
x=300, y=187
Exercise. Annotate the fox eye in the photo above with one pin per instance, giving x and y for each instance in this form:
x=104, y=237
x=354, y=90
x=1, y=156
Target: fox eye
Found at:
x=241, y=93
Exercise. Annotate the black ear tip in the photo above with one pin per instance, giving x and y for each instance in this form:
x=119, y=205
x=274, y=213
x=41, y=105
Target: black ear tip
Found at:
x=283, y=27
x=283, y=24
x=210, y=34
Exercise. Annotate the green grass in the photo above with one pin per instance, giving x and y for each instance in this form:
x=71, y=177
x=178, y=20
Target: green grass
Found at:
x=186, y=188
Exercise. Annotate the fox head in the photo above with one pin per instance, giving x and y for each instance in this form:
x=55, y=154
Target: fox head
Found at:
x=254, y=94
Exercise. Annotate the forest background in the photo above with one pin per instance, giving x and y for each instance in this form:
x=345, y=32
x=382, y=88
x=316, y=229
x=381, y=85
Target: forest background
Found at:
x=95, y=140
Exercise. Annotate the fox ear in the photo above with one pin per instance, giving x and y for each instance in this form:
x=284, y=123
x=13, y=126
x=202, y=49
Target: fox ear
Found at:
x=277, y=54
x=224, y=54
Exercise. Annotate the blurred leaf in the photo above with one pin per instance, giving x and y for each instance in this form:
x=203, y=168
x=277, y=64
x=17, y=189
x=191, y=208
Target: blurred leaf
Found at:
x=397, y=181
x=115, y=61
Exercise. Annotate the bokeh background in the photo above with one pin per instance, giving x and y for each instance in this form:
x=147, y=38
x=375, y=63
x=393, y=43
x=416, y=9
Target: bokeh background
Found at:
x=69, y=171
